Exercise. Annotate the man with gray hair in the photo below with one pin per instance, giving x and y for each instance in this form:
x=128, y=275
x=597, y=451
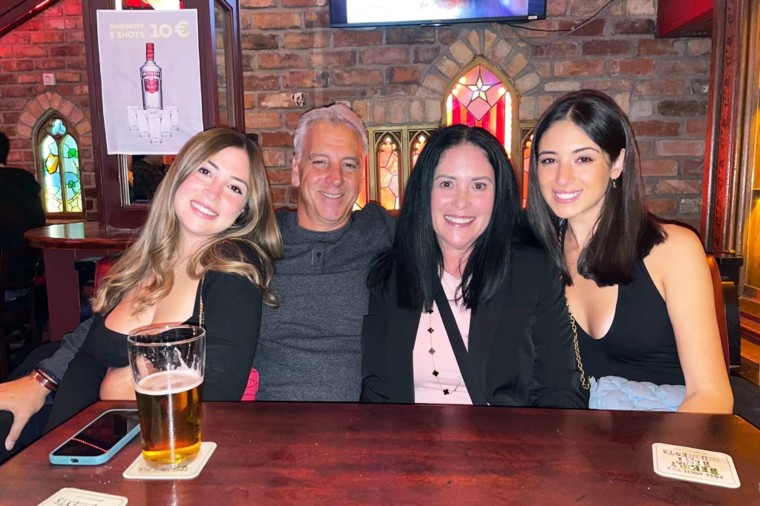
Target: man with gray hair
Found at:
x=310, y=347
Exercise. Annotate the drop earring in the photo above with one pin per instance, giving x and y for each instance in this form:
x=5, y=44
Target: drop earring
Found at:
x=614, y=182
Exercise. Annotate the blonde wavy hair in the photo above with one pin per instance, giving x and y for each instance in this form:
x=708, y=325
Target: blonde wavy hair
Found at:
x=150, y=260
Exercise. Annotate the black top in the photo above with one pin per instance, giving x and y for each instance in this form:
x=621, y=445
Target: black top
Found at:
x=640, y=344
x=310, y=347
x=20, y=206
x=520, y=343
x=232, y=316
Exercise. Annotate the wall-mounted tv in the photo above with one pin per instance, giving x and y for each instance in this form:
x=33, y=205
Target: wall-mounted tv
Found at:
x=368, y=13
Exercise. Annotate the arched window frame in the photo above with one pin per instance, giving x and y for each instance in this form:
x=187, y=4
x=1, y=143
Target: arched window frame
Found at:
x=40, y=133
x=406, y=136
x=518, y=129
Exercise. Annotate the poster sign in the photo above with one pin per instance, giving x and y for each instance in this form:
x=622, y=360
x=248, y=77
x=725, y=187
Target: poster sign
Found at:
x=150, y=77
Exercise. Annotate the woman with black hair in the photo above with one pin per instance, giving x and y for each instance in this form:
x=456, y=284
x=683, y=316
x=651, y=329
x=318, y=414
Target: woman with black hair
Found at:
x=639, y=289
x=460, y=312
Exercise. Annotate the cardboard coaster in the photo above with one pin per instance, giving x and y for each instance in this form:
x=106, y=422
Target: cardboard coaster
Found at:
x=140, y=470
x=693, y=464
x=70, y=495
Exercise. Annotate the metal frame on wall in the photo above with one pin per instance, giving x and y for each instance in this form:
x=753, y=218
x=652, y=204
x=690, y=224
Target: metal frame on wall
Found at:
x=114, y=212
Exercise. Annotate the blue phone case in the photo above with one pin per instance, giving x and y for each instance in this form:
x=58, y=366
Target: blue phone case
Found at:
x=89, y=460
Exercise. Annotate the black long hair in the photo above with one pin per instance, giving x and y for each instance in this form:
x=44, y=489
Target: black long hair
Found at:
x=415, y=253
x=625, y=231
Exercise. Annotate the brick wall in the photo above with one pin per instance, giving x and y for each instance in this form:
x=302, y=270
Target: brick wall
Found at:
x=51, y=42
x=400, y=74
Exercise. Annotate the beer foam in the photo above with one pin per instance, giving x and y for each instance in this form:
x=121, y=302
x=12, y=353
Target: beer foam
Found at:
x=169, y=382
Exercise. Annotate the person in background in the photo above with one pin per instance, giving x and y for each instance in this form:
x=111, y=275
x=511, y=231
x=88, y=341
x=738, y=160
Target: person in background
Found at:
x=310, y=347
x=20, y=210
x=147, y=173
x=20, y=203
x=639, y=288
x=206, y=254
x=461, y=311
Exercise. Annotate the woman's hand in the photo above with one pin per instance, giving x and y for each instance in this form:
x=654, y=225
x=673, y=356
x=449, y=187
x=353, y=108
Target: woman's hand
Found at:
x=118, y=385
x=23, y=397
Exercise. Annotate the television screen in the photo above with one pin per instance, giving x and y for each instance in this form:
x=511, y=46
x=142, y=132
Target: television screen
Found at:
x=350, y=13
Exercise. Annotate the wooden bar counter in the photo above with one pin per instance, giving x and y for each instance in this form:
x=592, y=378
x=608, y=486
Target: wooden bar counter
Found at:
x=63, y=244
x=324, y=453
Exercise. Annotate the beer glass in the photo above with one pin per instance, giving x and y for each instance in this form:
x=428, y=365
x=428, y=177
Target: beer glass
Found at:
x=167, y=361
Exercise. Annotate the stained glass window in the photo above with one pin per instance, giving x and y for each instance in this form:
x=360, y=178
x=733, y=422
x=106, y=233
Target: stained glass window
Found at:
x=362, y=199
x=418, y=140
x=59, y=156
x=395, y=151
x=387, y=153
x=480, y=98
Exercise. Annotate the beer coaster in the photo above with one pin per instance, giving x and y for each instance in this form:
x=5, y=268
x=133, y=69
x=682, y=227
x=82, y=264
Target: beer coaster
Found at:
x=70, y=495
x=140, y=470
x=693, y=464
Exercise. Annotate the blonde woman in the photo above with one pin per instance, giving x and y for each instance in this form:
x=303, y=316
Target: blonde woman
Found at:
x=211, y=236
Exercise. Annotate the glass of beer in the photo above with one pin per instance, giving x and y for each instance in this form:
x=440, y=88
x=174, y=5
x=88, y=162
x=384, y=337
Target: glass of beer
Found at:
x=167, y=362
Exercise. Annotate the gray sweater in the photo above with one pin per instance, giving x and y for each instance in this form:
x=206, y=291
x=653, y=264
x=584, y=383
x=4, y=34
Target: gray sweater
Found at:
x=310, y=347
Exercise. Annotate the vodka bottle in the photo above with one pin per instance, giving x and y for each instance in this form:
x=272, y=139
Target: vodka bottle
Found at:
x=150, y=77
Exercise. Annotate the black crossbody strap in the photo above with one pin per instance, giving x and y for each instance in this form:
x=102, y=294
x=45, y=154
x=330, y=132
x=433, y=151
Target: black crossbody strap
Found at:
x=457, y=344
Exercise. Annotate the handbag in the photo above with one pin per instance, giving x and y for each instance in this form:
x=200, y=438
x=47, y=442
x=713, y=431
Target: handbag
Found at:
x=614, y=392
x=617, y=393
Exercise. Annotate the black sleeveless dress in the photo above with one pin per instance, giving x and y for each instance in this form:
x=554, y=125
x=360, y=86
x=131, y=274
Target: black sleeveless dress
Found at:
x=640, y=344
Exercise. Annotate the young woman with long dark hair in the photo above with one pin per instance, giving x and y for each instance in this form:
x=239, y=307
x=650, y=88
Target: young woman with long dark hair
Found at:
x=639, y=288
x=460, y=312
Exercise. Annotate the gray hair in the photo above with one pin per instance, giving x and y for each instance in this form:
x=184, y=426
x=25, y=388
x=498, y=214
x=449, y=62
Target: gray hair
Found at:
x=338, y=114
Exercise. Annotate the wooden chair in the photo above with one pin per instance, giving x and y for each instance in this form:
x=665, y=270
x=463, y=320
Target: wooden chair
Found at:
x=721, y=307
x=18, y=318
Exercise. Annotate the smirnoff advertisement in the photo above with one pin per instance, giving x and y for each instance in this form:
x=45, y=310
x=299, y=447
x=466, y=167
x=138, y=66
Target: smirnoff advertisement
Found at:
x=150, y=75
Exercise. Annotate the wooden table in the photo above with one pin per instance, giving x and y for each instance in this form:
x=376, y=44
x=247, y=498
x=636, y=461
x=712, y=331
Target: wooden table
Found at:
x=285, y=453
x=63, y=245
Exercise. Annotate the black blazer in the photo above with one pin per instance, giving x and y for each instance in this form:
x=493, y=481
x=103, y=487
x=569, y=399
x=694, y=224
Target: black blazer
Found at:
x=520, y=344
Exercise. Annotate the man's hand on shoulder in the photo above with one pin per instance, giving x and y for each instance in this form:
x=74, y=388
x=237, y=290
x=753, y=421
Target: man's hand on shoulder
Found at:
x=23, y=397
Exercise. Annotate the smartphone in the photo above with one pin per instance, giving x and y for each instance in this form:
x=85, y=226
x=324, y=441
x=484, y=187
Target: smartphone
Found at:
x=99, y=440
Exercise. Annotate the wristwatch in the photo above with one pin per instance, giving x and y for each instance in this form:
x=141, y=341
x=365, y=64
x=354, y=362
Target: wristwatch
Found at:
x=43, y=380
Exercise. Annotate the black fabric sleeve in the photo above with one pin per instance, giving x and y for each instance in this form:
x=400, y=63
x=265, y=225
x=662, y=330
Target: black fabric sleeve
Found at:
x=374, y=352
x=80, y=385
x=555, y=373
x=57, y=364
x=232, y=314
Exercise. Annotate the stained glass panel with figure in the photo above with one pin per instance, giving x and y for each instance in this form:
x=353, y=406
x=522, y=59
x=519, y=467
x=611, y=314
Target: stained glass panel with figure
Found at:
x=387, y=154
x=59, y=160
